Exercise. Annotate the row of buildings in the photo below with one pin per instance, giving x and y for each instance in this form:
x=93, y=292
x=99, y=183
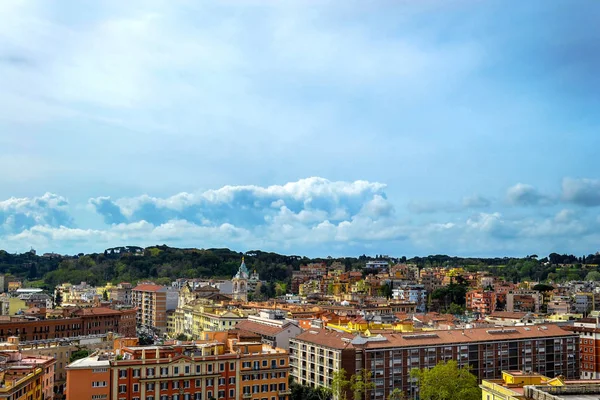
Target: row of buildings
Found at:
x=225, y=365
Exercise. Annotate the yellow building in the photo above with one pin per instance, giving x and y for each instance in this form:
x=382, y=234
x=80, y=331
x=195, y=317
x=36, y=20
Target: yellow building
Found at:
x=510, y=387
x=22, y=383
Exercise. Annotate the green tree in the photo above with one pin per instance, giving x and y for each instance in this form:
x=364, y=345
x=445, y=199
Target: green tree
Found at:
x=58, y=299
x=446, y=381
x=593, y=276
x=78, y=354
x=339, y=385
x=397, y=394
x=386, y=290
x=361, y=383
x=105, y=295
x=455, y=309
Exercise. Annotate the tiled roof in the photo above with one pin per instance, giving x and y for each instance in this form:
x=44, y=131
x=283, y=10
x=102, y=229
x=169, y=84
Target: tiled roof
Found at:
x=334, y=339
x=458, y=336
x=148, y=287
x=327, y=338
x=97, y=311
x=507, y=314
x=259, y=328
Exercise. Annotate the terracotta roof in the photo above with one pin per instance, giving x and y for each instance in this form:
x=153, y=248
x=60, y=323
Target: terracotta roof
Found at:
x=507, y=314
x=97, y=311
x=327, y=338
x=261, y=329
x=148, y=287
x=456, y=336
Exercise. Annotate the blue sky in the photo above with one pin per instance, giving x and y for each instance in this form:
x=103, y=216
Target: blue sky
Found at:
x=309, y=127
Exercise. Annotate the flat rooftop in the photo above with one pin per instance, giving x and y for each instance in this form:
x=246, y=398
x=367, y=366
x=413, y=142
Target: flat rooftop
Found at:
x=89, y=362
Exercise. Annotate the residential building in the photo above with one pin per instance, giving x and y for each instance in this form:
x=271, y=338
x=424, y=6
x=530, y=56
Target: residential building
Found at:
x=121, y=294
x=588, y=330
x=228, y=366
x=377, y=265
x=416, y=294
x=22, y=383
x=152, y=303
x=99, y=321
x=89, y=378
x=516, y=385
x=481, y=301
x=547, y=350
x=273, y=328
x=524, y=301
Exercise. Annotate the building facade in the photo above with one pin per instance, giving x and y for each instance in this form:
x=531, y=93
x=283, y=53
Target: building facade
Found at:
x=548, y=350
x=230, y=370
x=152, y=303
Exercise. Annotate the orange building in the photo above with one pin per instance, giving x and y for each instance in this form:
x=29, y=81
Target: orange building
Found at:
x=234, y=366
x=481, y=301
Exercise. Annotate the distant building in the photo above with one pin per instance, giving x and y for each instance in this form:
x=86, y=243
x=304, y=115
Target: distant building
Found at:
x=524, y=301
x=152, y=302
x=377, y=265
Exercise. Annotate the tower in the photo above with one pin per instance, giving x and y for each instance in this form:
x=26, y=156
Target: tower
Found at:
x=240, y=283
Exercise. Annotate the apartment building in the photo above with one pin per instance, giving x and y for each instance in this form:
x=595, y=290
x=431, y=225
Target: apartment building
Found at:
x=273, y=328
x=481, y=301
x=588, y=330
x=231, y=369
x=548, y=350
x=416, y=294
x=524, y=301
x=152, y=303
x=97, y=321
x=26, y=377
x=317, y=353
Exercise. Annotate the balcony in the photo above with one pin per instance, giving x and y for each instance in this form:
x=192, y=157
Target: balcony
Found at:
x=286, y=392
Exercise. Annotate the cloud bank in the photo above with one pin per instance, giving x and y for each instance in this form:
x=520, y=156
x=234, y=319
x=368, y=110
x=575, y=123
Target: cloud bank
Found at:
x=313, y=216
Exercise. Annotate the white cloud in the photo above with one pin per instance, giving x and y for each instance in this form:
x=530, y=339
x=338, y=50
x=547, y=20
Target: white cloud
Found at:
x=583, y=192
x=523, y=194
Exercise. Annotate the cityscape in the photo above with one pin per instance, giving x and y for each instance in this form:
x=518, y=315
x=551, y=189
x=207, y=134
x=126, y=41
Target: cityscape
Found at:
x=289, y=327
x=299, y=200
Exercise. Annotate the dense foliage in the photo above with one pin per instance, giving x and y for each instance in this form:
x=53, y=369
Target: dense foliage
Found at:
x=446, y=381
x=163, y=263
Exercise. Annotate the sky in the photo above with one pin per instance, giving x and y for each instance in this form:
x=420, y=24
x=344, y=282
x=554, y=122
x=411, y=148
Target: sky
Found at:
x=319, y=128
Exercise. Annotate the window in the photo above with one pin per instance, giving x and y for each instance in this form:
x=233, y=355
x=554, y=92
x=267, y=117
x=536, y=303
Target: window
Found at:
x=186, y=384
x=164, y=386
x=282, y=361
x=164, y=371
x=136, y=387
x=99, y=384
x=210, y=382
x=208, y=394
x=246, y=364
x=122, y=373
x=175, y=384
x=232, y=381
x=198, y=383
x=221, y=394
x=149, y=371
x=122, y=388
x=265, y=363
x=136, y=373
x=209, y=367
x=221, y=367
x=150, y=387
x=232, y=366
x=175, y=370
x=221, y=381
x=187, y=369
x=231, y=393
